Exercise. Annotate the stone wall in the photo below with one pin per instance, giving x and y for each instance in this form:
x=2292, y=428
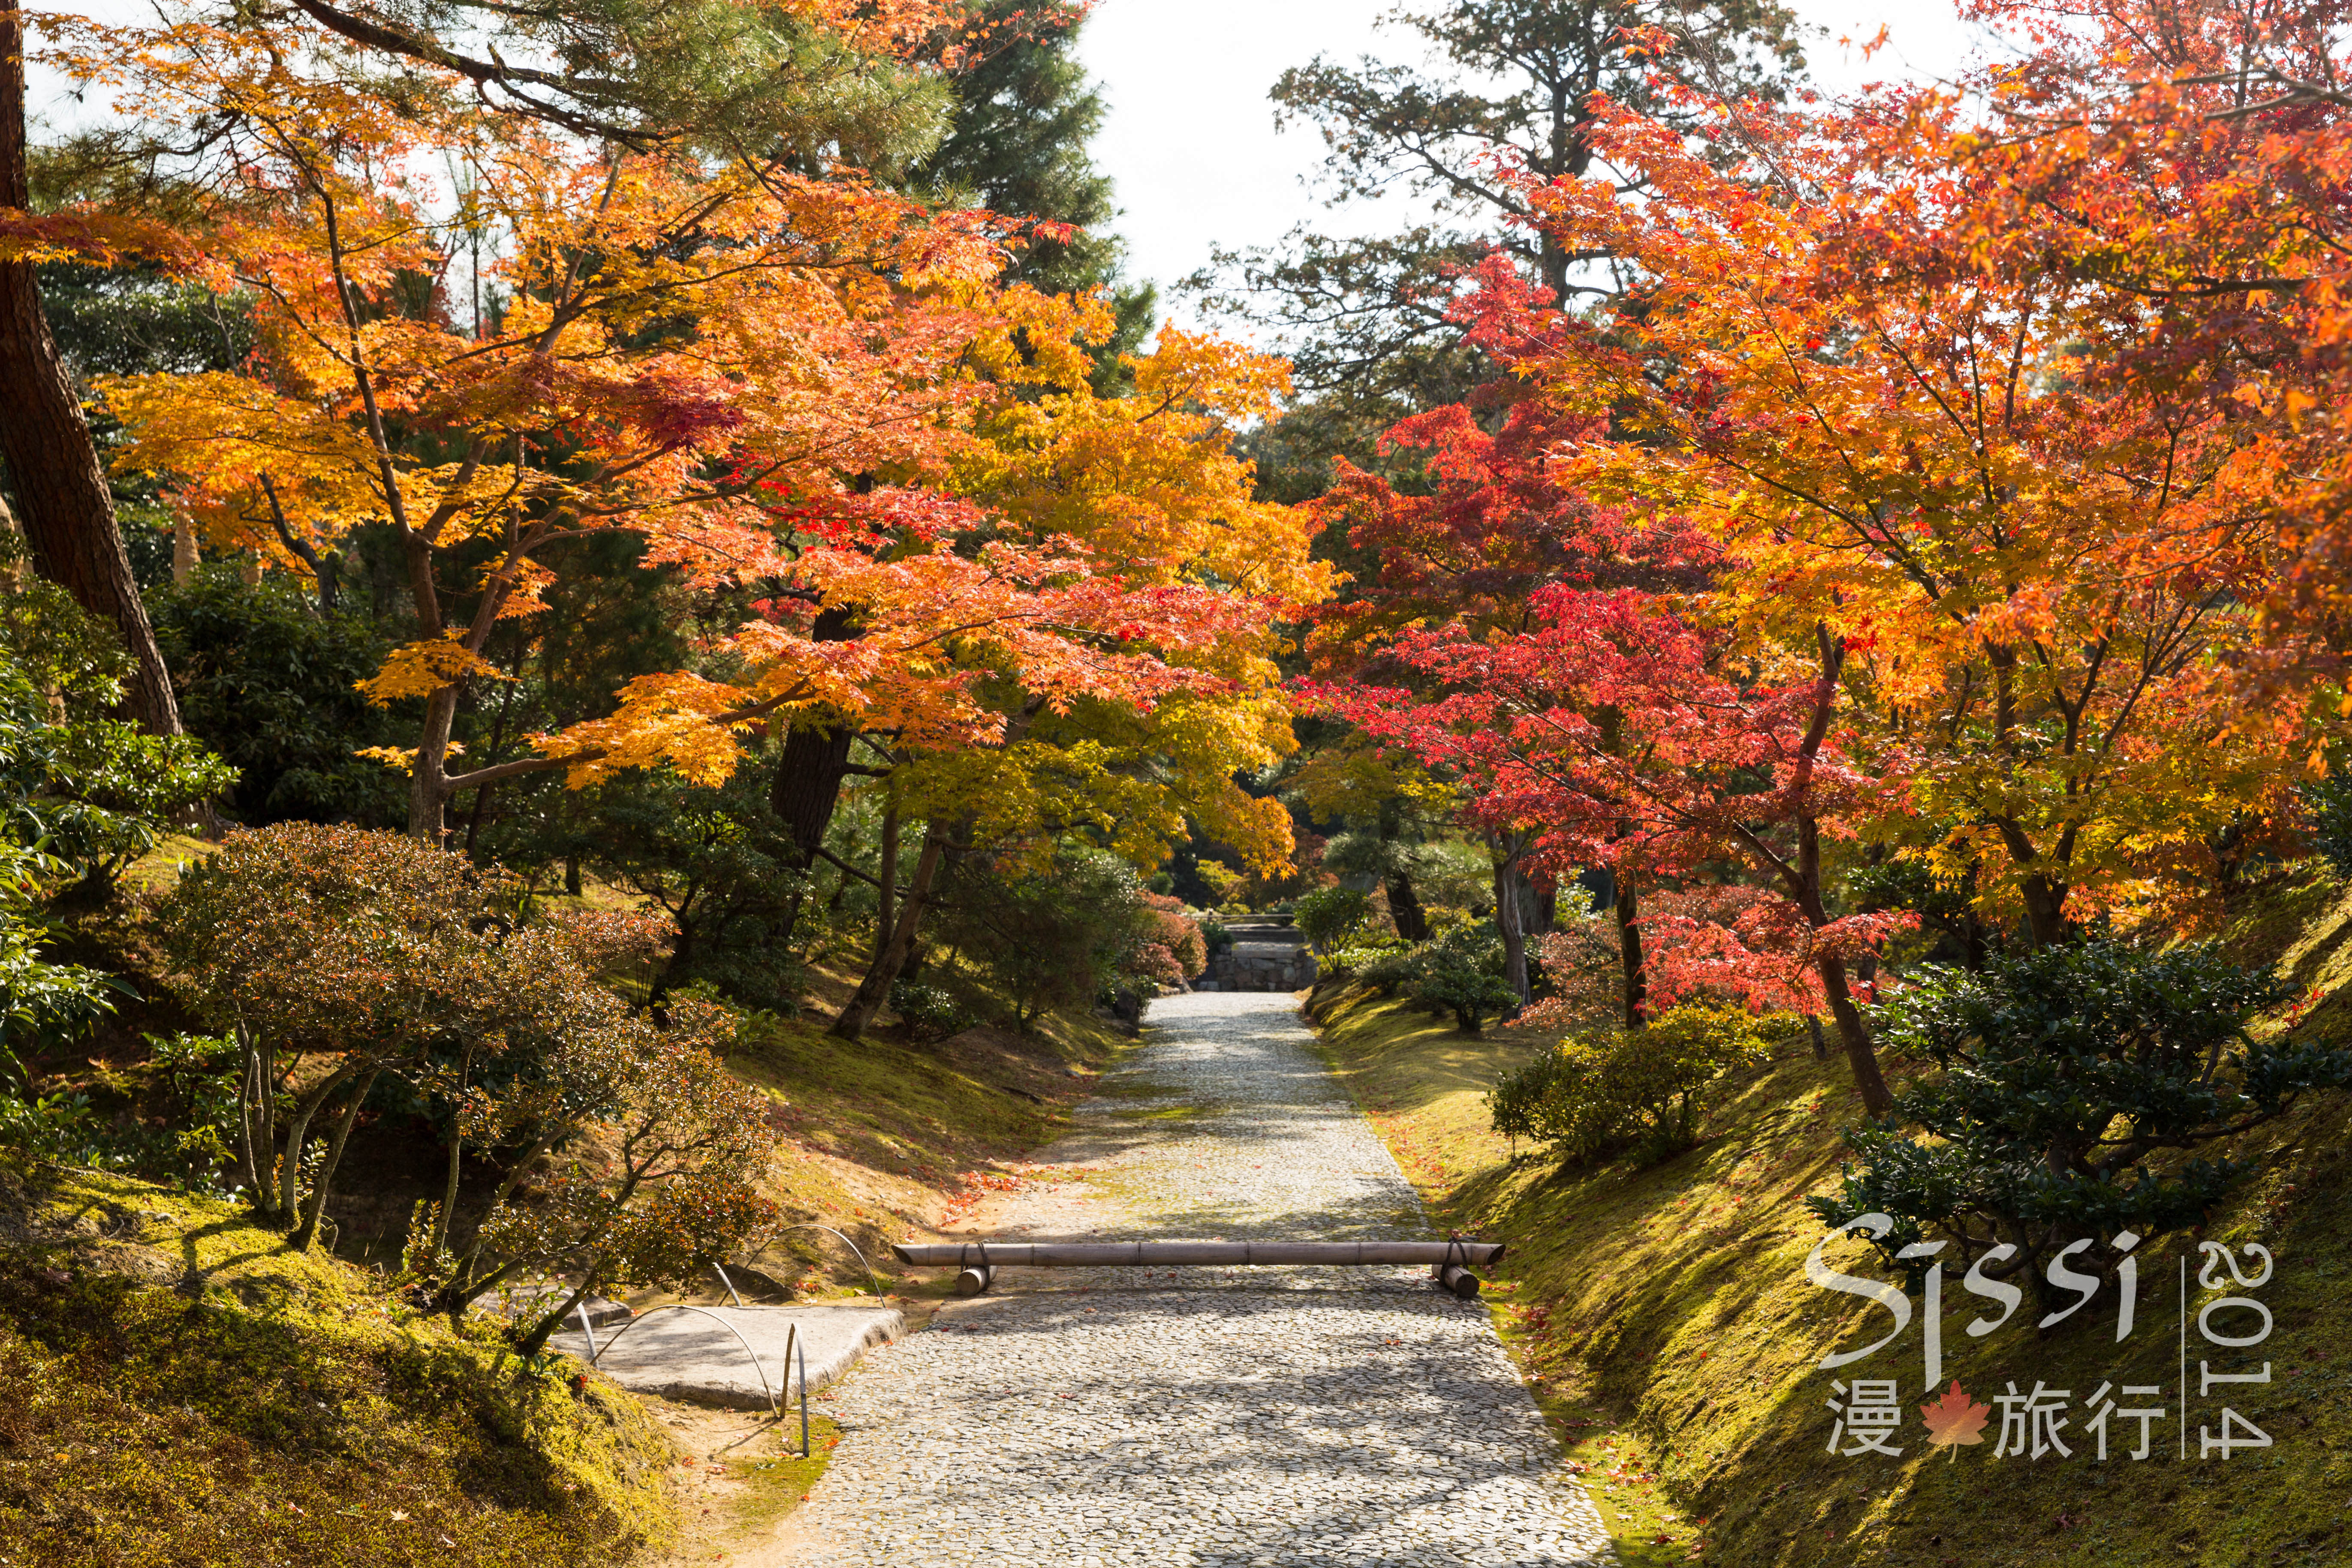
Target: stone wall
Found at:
x=1262, y=958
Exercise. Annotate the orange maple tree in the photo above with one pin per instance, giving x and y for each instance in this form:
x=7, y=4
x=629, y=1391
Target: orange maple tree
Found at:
x=795, y=384
x=2039, y=581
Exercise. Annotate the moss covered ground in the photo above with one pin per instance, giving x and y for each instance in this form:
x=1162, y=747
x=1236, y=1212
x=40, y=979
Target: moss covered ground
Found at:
x=1664, y=1320
x=176, y=1388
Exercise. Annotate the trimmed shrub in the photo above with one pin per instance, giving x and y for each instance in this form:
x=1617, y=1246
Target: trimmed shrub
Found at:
x=1327, y=915
x=1595, y=1093
x=1460, y=972
x=2064, y=1071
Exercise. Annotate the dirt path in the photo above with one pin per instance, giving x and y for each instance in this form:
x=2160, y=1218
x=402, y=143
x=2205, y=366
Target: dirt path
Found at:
x=1198, y=1417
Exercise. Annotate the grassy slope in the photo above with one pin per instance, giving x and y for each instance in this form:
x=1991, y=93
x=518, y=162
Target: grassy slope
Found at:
x=175, y=1388
x=884, y=1139
x=1665, y=1317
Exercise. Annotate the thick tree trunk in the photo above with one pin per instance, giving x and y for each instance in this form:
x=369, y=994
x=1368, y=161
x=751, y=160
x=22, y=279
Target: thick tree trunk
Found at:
x=1861, y=1054
x=67, y=511
x=1404, y=907
x=1630, y=961
x=1510, y=920
x=2045, y=912
x=875, y=989
x=807, y=788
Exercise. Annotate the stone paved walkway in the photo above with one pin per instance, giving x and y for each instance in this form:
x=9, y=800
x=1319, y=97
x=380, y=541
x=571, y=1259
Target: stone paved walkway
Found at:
x=1196, y=1417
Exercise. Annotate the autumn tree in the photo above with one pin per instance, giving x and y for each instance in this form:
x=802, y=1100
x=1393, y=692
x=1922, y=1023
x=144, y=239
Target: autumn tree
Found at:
x=2038, y=575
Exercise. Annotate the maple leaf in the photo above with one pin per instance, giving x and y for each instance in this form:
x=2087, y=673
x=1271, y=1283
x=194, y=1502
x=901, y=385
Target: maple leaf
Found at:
x=1955, y=1419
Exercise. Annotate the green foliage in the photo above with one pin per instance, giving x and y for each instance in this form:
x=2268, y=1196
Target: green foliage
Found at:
x=1648, y=1088
x=721, y=865
x=1065, y=936
x=1329, y=915
x=1214, y=937
x=90, y=792
x=929, y=1011
x=185, y=1135
x=1360, y=955
x=1460, y=971
x=269, y=681
x=2328, y=806
x=2064, y=1071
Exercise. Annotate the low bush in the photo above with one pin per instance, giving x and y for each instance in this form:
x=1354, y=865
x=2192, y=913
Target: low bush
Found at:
x=2065, y=1072
x=1598, y=1092
x=1327, y=916
x=1386, y=969
x=1360, y=954
x=1460, y=972
x=928, y=1012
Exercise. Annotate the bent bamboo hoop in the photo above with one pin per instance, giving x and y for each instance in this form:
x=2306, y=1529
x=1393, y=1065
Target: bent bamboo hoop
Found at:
x=994, y=1255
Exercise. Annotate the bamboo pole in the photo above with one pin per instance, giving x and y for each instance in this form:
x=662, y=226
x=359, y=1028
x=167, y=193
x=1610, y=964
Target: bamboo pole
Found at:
x=991, y=1255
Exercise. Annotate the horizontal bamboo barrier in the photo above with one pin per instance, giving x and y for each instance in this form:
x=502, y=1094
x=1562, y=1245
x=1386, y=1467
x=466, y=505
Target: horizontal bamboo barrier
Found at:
x=975, y=1256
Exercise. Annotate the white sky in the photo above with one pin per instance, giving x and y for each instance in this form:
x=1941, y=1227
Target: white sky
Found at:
x=1189, y=140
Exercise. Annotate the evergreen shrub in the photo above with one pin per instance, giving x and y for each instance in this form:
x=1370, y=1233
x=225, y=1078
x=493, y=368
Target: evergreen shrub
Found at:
x=1597, y=1092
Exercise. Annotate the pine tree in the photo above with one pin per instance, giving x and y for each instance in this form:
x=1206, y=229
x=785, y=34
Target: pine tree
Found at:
x=1016, y=144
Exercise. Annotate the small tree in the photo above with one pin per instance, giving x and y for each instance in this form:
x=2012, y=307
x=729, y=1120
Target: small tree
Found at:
x=1061, y=937
x=1327, y=916
x=660, y=1183
x=336, y=956
x=2065, y=1072
x=1602, y=1090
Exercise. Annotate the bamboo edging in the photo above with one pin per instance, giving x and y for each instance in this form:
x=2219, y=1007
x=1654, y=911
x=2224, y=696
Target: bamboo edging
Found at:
x=994, y=1255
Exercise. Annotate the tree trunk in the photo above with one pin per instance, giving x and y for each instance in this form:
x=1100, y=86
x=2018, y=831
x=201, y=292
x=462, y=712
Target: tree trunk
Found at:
x=875, y=989
x=289, y=1169
x=886, y=884
x=1510, y=920
x=1854, y=1034
x=1629, y=948
x=428, y=789
x=1404, y=907
x=2045, y=912
x=61, y=490
x=312, y=1216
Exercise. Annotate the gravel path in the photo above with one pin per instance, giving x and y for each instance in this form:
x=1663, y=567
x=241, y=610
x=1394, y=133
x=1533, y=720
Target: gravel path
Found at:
x=1198, y=1417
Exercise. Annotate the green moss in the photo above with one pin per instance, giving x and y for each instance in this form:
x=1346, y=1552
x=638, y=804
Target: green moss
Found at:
x=772, y=1486
x=1665, y=1316
x=176, y=1388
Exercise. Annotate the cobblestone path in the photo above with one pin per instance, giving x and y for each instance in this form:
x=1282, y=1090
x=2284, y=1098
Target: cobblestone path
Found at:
x=1197, y=1416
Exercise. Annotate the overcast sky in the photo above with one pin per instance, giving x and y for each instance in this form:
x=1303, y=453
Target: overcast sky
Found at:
x=1191, y=140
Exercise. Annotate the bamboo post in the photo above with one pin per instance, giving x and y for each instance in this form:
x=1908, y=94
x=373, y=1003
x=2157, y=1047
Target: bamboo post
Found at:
x=1160, y=1253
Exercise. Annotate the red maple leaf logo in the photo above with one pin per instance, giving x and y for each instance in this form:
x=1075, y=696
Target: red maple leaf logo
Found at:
x=1955, y=1419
